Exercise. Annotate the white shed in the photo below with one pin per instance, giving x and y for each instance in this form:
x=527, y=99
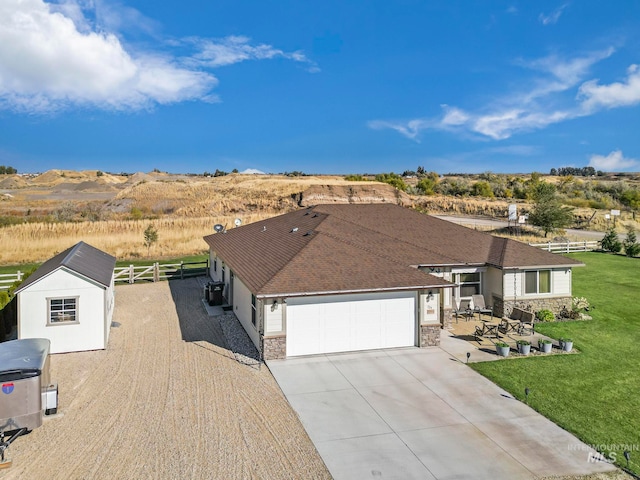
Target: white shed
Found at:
x=69, y=300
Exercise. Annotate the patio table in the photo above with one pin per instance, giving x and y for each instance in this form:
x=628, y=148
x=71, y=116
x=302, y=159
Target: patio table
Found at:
x=510, y=325
x=491, y=329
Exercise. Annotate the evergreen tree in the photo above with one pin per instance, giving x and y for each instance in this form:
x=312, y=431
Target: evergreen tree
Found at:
x=610, y=242
x=631, y=247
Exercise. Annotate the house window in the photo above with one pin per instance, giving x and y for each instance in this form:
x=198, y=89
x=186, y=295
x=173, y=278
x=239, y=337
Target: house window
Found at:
x=222, y=274
x=253, y=310
x=468, y=284
x=537, y=281
x=63, y=310
x=215, y=265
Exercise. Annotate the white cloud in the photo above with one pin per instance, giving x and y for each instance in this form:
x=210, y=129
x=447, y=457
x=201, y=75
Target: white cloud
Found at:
x=546, y=101
x=58, y=55
x=409, y=129
x=618, y=94
x=235, y=49
x=615, y=161
x=46, y=63
x=553, y=17
x=454, y=116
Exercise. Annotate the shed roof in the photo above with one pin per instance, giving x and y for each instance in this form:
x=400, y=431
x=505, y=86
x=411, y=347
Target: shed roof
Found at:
x=362, y=247
x=82, y=258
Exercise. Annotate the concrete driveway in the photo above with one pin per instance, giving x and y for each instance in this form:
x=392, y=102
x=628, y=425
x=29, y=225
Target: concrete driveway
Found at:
x=423, y=414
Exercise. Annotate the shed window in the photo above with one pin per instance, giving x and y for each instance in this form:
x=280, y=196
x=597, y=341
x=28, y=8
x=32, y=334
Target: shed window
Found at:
x=63, y=310
x=537, y=281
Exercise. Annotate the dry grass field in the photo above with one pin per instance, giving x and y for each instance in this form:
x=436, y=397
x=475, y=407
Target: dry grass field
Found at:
x=58, y=208
x=166, y=400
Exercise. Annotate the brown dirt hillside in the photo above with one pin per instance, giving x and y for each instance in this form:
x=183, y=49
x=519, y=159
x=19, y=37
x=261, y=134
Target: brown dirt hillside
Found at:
x=47, y=213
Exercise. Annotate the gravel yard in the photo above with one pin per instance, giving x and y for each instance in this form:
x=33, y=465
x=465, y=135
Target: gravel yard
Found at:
x=167, y=399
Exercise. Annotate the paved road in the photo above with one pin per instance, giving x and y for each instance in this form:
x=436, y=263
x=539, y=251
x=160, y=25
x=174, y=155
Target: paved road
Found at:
x=422, y=414
x=488, y=222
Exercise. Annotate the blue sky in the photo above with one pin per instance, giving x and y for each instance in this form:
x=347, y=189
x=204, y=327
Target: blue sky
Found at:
x=320, y=86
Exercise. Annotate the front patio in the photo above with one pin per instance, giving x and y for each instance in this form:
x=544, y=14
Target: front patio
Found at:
x=483, y=348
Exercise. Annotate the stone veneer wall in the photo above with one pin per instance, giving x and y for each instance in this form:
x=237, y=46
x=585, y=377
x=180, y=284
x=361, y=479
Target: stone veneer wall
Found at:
x=430, y=335
x=274, y=348
x=447, y=318
x=503, y=308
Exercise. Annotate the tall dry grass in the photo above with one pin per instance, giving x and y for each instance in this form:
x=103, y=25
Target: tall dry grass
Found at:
x=36, y=242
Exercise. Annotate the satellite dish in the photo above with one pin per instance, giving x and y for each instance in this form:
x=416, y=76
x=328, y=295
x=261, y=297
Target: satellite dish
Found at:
x=238, y=222
x=218, y=228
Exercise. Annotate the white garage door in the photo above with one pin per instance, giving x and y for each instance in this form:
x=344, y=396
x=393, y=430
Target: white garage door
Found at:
x=343, y=323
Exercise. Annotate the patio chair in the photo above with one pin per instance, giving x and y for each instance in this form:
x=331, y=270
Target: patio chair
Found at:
x=480, y=307
x=527, y=324
x=463, y=308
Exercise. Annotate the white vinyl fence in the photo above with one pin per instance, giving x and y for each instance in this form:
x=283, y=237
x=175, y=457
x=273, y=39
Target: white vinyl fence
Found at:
x=8, y=279
x=568, y=247
x=160, y=271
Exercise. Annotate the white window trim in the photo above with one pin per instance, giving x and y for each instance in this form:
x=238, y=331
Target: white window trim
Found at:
x=456, y=280
x=537, y=292
x=77, y=310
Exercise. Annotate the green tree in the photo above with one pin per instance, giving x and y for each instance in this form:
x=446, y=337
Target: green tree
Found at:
x=631, y=247
x=482, y=189
x=610, y=242
x=548, y=213
x=150, y=237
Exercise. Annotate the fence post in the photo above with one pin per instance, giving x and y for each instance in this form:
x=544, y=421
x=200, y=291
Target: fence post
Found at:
x=181, y=270
x=19, y=274
x=156, y=272
x=548, y=246
x=131, y=280
x=568, y=249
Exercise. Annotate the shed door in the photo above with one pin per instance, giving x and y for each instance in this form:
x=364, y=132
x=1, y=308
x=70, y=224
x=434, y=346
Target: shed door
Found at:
x=343, y=323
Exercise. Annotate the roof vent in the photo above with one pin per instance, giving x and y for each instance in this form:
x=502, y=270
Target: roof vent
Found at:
x=314, y=215
x=294, y=229
x=308, y=234
x=305, y=214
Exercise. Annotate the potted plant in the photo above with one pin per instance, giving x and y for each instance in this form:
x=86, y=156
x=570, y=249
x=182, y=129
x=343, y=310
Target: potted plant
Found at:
x=502, y=349
x=566, y=344
x=545, y=345
x=524, y=347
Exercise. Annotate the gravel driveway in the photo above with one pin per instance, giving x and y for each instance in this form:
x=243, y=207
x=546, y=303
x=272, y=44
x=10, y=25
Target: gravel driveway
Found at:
x=166, y=400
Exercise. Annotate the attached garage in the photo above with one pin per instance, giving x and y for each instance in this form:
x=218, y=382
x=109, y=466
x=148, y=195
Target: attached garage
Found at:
x=343, y=323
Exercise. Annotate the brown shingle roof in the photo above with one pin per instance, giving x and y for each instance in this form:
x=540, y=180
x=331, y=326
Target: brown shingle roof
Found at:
x=363, y=247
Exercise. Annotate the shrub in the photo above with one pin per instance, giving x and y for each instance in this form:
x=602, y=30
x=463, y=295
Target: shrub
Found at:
x=610, y=242
x=545, y=316
x=392, y=179
x=580, y=303
x=631, y=247
x=4, y=299
x=355, y=178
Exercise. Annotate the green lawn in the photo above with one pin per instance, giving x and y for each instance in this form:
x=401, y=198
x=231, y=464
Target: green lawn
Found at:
x=595, y=394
